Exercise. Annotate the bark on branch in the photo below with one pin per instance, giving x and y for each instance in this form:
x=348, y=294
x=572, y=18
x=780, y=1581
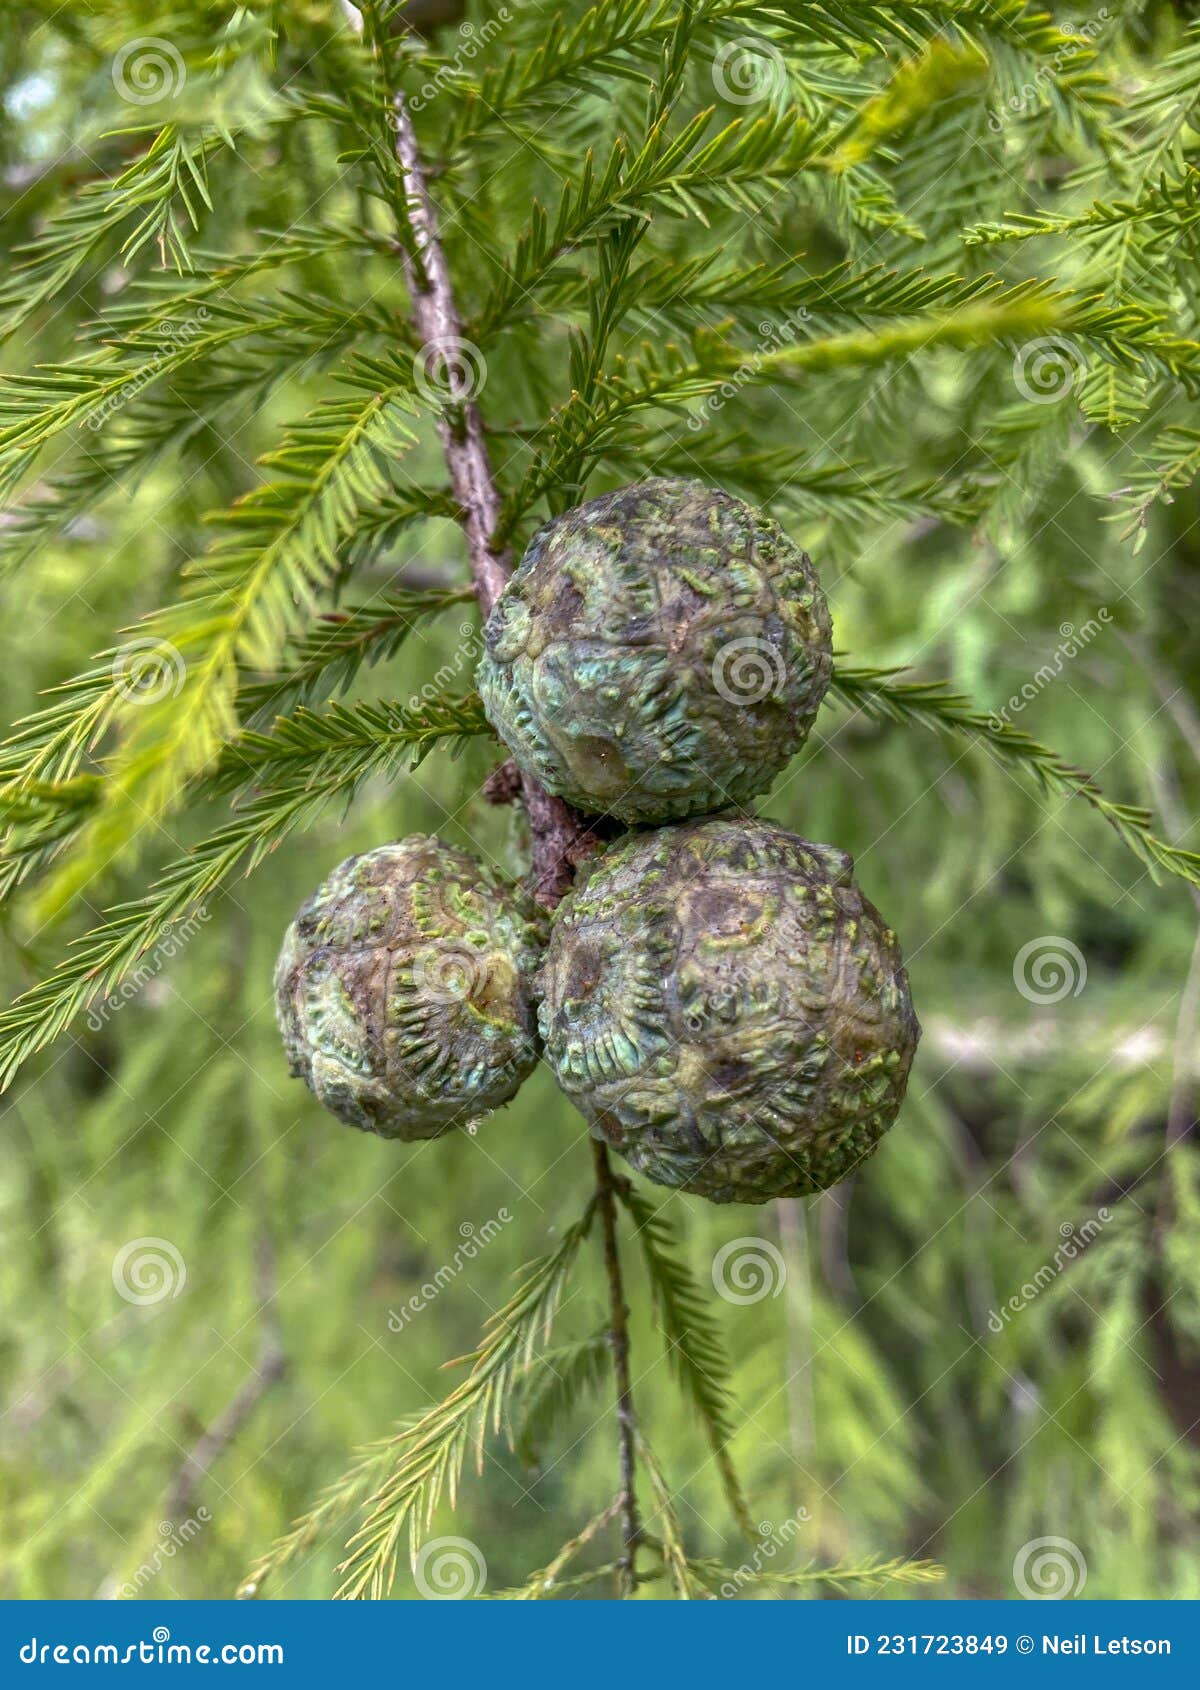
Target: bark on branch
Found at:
x=559, y=837
x=618, y=1337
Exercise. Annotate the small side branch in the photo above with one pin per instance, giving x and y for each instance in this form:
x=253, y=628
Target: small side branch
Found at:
x=631, y=1529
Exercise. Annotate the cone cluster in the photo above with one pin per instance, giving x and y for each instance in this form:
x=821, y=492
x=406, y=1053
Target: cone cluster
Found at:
x=715, y=994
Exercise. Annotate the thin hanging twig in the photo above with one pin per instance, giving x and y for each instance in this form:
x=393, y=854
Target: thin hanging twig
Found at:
x=268, y=1369
x=618, y=1334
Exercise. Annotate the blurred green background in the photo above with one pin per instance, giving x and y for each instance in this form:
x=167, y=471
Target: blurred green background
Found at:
x=887, y=1402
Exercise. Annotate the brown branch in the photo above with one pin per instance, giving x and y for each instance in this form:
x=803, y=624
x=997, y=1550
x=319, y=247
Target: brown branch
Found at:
x=618, y=1337
x=267, y=1371
x=559, y=836
x=460, y=426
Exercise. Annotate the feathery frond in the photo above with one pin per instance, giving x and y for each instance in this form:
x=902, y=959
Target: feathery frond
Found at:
x=875, y=1572
x=343, y=753
x=428, y=1457
x=932, y=704
x=548, y=1581
x=255, y=587
x=559, y=1380
x=695, y=1349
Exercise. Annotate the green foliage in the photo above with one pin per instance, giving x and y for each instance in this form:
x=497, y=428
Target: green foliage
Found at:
x=879, y=694
x=873, y=1574
x=693, y=1341
x=565, y=1376
x=427, y=1457
x=549, y=1580
x=290, y=775
x=921, y=279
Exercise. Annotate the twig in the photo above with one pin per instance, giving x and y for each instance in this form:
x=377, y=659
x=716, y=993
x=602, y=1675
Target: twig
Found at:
x=631, y=1530
x=559, y=837
x=267, y=1371
x=540, y=1582
x=793, y=1236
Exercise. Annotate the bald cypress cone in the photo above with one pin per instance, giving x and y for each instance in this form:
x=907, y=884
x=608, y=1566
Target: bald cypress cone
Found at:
x=728, y=1011
x=660, y=652
x=404, y=989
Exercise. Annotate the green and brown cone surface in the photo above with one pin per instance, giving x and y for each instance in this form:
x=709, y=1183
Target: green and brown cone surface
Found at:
x=660, y=652
x=728, y=1010
x=403, y=989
